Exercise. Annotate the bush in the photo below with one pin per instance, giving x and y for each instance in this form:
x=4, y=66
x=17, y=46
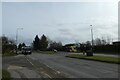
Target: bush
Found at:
x=5, y=75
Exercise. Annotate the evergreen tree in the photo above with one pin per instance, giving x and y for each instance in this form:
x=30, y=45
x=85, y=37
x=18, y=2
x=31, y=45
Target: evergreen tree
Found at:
x=20, y=46
x=36, y=43
x=43, y=42
x=23, y=44
x=55, y=45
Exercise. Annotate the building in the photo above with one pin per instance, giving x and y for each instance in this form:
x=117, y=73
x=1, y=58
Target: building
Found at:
x=116, y=43
x=70, y=47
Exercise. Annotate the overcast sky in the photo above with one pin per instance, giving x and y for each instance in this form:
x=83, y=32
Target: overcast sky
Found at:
x=67, y=22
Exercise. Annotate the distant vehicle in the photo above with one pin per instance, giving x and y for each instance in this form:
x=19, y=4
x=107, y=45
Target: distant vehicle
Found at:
x=55, y=50
x=26, y=50
x=19, y=52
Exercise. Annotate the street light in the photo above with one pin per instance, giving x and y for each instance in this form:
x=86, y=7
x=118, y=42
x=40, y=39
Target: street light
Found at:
x=92, y=36
x=17, y=36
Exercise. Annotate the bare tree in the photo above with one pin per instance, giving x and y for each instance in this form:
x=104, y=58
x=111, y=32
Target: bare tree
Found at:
x=104, y=42
x=109, y=40
x=98, y=41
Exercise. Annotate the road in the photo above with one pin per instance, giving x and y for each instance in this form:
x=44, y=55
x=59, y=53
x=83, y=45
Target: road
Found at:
x=39, y=65
x=22, y=66
x=78, y=68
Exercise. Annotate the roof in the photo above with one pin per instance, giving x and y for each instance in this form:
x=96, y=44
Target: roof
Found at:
x=70, y=44
x=117, y=42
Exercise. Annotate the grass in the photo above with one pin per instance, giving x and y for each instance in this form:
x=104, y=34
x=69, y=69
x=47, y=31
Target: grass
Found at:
x=96, y=58
x=8, y=54
x=5, y=75
x=114, y=53
x=5, y=55
x=47, y=52
x=0, y=73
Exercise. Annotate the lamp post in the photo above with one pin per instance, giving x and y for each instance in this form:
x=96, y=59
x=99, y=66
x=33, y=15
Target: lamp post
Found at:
x=92, y=36
x=17, y=36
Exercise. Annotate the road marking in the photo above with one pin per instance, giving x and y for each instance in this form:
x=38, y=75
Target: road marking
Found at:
x=29, y=61
x=53, y=69
x=36, y=67
x=58, y=72
x=14, y=67
x=48, y=75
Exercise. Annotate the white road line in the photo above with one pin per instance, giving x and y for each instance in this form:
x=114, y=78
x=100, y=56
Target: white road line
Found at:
x=48, y=75
x=29, y=61
x=36, y=67
x=58, y=72
x=53, y=69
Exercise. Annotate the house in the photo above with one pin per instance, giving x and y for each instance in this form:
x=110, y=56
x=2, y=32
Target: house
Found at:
x=70, y=47
x=116, y=43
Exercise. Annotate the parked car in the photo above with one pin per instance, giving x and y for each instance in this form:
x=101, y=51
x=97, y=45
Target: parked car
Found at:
x=26, y=50
x=55, y=50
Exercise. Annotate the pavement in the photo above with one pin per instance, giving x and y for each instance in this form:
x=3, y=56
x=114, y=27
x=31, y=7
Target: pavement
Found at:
x=57, y=65
x=19, y=67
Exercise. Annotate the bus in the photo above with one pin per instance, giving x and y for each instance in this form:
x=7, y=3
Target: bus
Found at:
x=26, y=50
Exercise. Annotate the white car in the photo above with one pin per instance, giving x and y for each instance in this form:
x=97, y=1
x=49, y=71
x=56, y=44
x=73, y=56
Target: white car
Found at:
x=55, y=50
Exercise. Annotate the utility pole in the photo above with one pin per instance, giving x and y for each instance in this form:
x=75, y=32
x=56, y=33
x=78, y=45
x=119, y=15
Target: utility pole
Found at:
x=92, y=36
x=17, y=36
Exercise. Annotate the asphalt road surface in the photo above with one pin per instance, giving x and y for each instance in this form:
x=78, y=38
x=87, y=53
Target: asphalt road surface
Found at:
x=39, y=65
x=22, y=66
x=77, y=68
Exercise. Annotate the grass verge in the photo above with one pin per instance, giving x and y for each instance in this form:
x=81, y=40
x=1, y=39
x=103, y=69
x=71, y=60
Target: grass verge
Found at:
x=114, y=53
x=5, y=75
x=46, y=52
x=108, y=59
x=8, y=54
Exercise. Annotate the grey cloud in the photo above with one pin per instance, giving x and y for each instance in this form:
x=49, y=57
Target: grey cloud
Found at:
x=64, y=39
x=65, y=31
